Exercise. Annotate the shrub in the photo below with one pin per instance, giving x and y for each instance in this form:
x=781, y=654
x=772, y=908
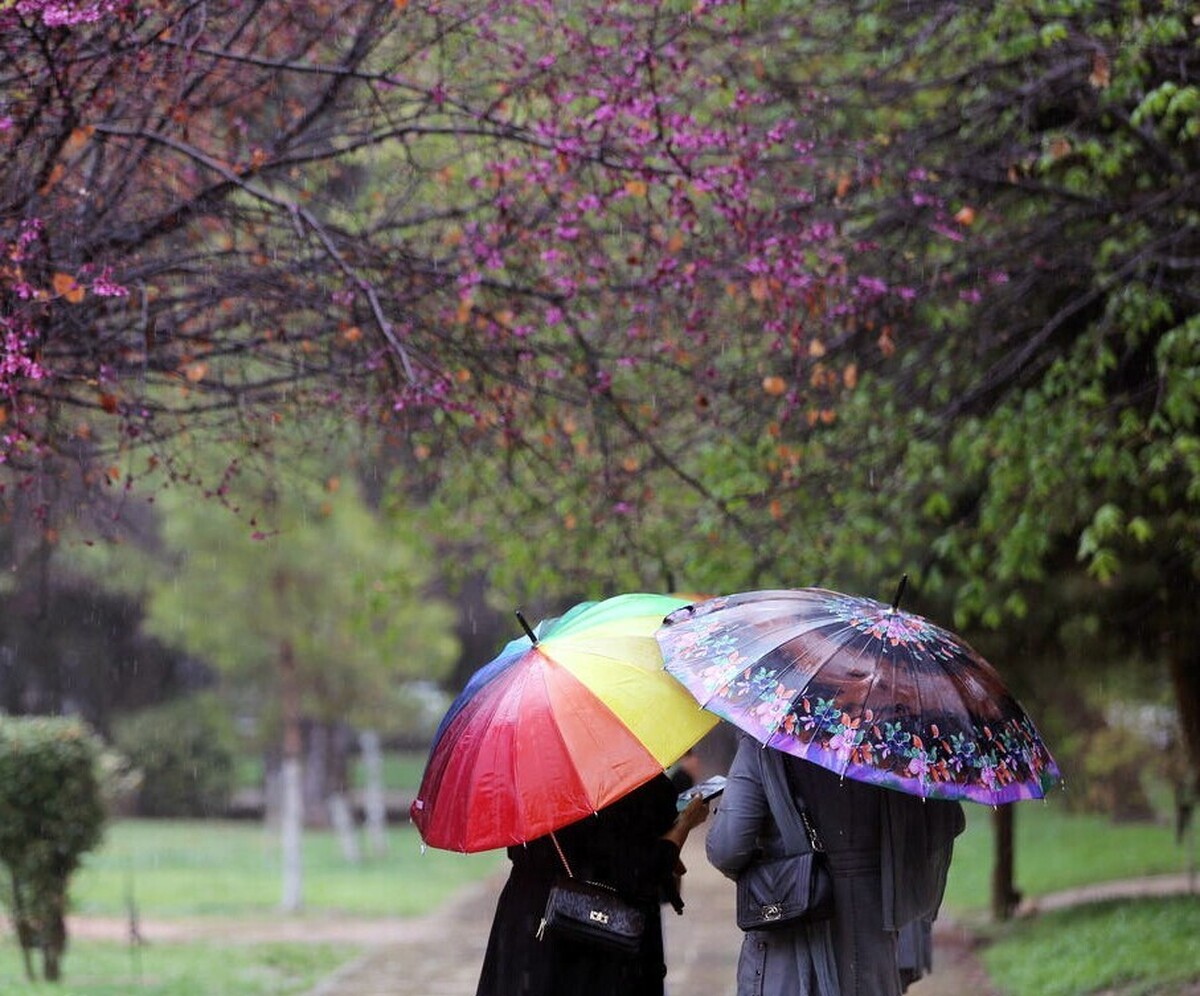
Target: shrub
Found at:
x=51, y=814
x=184, y=751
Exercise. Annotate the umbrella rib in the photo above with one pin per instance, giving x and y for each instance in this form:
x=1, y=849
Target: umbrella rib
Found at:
x=790, y=668
x=910, y=660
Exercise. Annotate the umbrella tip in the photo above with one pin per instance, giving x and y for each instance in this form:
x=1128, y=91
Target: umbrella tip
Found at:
x=899, y=592
x=525, y=626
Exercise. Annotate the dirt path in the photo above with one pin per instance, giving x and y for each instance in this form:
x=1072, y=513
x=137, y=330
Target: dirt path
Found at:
x=440, y=954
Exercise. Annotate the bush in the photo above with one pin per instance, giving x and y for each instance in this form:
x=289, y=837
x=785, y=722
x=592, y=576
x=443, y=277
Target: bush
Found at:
x=184, y=751
x=51, y=814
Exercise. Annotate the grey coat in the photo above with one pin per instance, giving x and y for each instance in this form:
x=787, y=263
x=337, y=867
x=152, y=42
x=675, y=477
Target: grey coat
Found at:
x=889, y=854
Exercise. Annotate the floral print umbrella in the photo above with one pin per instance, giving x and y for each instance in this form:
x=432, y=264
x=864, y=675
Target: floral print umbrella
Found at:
x=861, y=688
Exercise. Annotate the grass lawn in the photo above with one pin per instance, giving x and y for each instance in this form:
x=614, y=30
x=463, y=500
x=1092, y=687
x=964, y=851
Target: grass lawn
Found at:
x=96, y=969
x=189, y=868
x=1130, y=948
x=175, y=869
x=1057, y=850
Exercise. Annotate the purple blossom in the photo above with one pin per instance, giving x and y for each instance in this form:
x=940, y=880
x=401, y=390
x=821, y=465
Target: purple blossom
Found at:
x=103, y=285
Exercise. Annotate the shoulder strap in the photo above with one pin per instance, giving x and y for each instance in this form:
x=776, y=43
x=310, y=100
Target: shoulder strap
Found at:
x=795, y=825
x=561, y=857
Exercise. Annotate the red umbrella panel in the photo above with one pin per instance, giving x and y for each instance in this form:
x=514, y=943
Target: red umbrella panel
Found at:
x=861, y=688
x=554, y=730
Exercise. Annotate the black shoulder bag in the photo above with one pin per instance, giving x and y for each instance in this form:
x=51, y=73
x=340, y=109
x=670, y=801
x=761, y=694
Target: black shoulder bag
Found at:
x=591, y=913
x=797, y=888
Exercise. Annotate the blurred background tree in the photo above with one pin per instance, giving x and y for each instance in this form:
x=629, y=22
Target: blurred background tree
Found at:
x=317, y=616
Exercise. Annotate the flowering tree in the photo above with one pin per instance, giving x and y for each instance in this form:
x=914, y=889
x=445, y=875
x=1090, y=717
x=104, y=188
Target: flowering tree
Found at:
x=519, y=221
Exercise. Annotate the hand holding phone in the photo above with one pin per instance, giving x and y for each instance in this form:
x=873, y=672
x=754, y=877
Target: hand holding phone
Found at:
x=708, y=789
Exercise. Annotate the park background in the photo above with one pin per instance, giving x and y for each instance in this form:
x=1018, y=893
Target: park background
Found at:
x=336, y=331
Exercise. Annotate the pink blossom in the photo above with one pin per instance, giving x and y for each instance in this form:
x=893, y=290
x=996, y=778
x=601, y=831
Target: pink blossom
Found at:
x=918, y=766
x=103, y=285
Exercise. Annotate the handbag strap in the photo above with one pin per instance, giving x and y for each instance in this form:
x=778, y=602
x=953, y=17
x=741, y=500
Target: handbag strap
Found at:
x=571, y=875
x=561, y=857
x=795, y=823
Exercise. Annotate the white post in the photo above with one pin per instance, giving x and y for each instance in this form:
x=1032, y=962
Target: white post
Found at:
x=291, y=824
x=374, y=802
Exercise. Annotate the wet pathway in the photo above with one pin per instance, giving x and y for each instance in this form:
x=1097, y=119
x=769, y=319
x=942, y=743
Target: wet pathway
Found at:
x=440, y=955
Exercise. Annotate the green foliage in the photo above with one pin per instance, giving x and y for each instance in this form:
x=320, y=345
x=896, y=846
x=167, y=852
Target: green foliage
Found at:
x=51, y=814
x=184, y=752
x=1130, y=947
x=278, y=550
x=1115, y=763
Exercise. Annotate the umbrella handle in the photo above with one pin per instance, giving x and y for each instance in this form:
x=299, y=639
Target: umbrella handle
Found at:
x=525, y=626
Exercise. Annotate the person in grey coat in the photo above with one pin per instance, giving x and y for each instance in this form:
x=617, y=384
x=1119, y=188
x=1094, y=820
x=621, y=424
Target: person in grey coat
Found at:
x=888, y=852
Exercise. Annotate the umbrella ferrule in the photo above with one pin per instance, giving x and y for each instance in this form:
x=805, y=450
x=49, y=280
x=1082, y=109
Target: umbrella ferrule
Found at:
x=525, y=626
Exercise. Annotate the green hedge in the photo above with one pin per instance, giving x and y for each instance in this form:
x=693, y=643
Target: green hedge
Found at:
x=184, y=751
x=51, y=814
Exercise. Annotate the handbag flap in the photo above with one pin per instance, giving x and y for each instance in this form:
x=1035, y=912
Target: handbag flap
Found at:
x=782, y=880
x=592, y=914
x=782, y=891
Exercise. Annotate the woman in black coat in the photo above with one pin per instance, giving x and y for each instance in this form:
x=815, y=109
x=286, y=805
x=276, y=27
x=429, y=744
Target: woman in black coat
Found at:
x=632, y=845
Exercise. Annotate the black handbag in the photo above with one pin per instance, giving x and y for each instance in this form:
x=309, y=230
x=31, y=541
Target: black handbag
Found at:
x=790, y=890
x=591, y=913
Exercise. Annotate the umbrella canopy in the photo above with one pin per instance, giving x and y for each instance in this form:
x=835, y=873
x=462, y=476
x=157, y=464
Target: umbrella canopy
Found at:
x=861, y=688
x=561, y=723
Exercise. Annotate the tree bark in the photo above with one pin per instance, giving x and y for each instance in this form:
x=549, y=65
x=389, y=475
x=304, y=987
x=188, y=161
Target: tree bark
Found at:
x=22, y=925
x=342, y=820
x=1005, y=896
x=318, y=783
x=1185, y=676
x=54, y=937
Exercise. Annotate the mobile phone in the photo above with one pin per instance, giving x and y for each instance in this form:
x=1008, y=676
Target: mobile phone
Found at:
x=710, y=788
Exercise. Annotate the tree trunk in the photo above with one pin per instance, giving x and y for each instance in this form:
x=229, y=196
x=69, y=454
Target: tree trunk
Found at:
x=343, y=824
x=1184, y=662
x=23, y=928
x=291, y=828
x=374, y=802
x=292, y=808
x=317, y=782
x=54, y=937
x=1005, y=896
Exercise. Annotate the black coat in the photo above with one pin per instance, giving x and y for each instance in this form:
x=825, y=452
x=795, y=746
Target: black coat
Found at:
x=621, y=846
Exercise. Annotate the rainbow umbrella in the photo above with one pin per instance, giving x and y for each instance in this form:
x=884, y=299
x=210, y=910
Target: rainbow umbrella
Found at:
x=861, y=688
x=564, y=721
